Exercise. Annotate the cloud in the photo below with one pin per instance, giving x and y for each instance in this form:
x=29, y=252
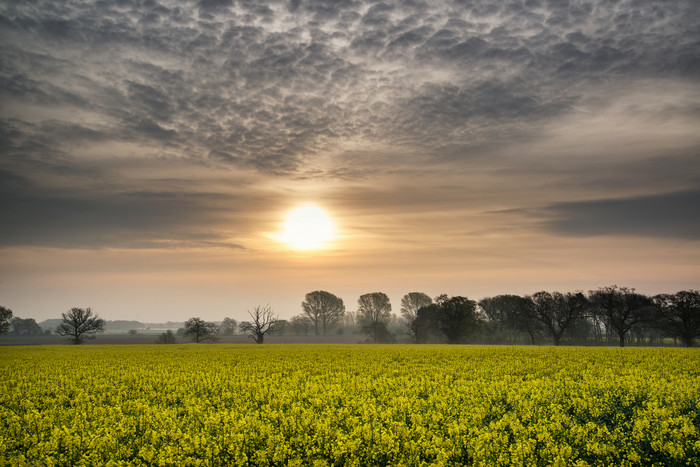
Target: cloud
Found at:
x=674, y=215
x=341, y=90
x=89, y=218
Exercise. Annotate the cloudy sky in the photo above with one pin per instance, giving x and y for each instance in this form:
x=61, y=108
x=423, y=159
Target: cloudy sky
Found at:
x=150, y=150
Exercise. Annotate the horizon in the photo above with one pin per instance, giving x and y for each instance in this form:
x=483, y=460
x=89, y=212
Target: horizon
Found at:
x=163, y=160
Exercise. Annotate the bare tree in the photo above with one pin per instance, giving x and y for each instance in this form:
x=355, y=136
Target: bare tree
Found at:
x=80, y=324
x=199, y=330
x=621, y=308
x=323, y=309
x=5, y=319
x=374, y=310
x=678, y=315
x=410, y=304
x=263, y=321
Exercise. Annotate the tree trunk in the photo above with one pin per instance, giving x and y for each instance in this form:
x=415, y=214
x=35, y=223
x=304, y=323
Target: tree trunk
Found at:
x=622, y=338
x=532, y=337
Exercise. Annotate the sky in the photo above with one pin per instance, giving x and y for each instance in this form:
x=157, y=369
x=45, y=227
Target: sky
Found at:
x=150, y=151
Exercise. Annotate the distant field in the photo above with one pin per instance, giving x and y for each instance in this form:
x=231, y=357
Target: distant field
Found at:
x=348, y=405
x=115, y=339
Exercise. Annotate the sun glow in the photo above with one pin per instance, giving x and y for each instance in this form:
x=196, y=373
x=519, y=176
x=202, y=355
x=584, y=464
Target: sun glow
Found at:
x=307, y=228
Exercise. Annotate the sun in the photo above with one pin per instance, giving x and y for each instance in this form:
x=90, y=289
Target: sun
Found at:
x=307, y=228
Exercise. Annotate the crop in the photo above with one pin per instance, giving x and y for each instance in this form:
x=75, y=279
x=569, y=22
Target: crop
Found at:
x=208, y=404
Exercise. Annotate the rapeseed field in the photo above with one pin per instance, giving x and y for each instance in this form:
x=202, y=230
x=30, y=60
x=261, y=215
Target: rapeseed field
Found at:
x=354, y=405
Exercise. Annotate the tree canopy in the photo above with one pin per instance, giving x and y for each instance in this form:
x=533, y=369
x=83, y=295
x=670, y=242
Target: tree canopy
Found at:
x=323, y=309
x=80, y=324
x=5, y=318
x=374, y=314
x=199, y=330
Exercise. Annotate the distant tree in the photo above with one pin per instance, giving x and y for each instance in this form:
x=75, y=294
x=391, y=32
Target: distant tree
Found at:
x=5, y=318
x=427, y=325
x=678, y=315
x=450, y=319
x=132, y=332
x=301, y=324
x=374, y=311
x=199, y=330
x=80, y=324
x=323, y=309
x=263, y=320
x=557, y=311
x=510, y=314
x=458, y=318
x=24, y=327
x=410, y=304
x=228, y=326
x=620, y=307
x=280, y=328
x=168, y=337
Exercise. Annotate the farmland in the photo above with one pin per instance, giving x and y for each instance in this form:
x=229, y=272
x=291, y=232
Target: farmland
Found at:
x=348, y=405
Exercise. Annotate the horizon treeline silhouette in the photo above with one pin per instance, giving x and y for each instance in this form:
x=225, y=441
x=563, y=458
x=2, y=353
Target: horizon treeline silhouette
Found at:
x=610, y=315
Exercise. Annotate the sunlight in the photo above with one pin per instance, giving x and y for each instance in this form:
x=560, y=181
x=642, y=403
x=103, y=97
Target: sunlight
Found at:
x=307, y=228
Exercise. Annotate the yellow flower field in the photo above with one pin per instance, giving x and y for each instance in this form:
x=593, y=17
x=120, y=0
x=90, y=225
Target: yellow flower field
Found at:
x=348, y=405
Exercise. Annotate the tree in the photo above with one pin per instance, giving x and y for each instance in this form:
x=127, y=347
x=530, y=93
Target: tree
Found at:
x=168, y=337
x=228, y=326
x=457, y=317
x=410, y=304
x=25, y=327
x=620, y=307
x=5, y=318
x=323, y=309
x=80, y=324
x=263, y=321
x=451, y=319
x=427, y=325
x=678, y=315
x=301, y=324
x=557, y=311
x=510, y=313
x=375, y=313
x=199, y=330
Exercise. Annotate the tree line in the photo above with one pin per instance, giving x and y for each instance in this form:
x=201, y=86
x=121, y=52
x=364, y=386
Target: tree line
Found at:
x=607, y=315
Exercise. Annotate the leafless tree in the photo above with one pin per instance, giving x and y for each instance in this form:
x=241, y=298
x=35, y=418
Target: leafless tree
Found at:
x=263, y=320
x=80, y=324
